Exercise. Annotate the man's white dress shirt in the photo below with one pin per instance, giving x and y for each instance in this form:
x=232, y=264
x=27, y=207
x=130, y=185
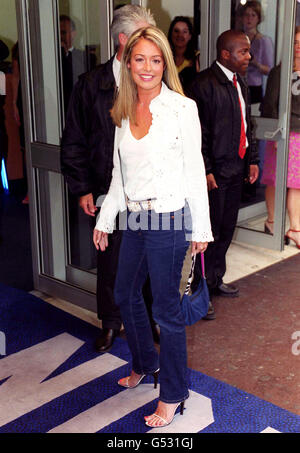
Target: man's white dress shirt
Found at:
x=229, y=74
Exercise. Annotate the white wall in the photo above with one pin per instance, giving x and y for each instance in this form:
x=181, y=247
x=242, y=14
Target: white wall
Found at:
x=165, y=10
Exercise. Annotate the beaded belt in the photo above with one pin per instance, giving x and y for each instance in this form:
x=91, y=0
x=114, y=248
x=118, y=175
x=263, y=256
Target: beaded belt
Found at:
x=136, y=206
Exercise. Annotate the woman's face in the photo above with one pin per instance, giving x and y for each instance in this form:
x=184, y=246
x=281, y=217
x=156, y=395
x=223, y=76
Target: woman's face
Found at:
x=297, y=46
x=180, y=34
x=250, y=19
x=146, y=65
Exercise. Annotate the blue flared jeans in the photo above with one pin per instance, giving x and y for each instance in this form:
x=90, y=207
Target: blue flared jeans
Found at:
x=160, y=252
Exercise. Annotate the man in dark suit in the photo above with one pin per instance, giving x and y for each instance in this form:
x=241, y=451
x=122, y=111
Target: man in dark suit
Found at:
x=74, y=61
x=228, y=149
x=87, y=158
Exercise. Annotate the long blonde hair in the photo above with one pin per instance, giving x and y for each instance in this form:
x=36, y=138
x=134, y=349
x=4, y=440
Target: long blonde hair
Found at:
x=127, y=97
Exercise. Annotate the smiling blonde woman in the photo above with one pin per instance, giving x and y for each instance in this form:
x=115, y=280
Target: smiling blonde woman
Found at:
x=158, y=175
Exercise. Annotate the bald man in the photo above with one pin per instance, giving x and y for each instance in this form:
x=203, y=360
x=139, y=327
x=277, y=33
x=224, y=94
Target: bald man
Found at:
x=228, y=149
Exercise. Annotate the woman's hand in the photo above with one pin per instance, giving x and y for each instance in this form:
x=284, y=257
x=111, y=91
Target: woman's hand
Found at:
x=253, y=173
x=198, y=247
x=100, y=240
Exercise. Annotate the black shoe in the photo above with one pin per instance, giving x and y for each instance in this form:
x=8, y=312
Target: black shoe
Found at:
x=225, y=290
x=210, y=314
x=106, y=339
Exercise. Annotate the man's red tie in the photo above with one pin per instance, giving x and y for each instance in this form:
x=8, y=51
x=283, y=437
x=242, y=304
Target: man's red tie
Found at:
x=243, y=139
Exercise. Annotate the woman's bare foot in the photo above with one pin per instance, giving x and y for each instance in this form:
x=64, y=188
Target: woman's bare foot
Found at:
x=131, y=381
x=163, y=415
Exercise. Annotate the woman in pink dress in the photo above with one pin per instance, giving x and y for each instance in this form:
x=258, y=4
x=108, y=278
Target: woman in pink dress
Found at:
x=270, y=109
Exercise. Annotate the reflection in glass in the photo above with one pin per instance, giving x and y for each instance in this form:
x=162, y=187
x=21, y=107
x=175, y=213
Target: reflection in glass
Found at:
x=258, y=20
x=262, y=50
x=270, y=157
x=270, y=109
x=260, y=26
x=74, y=61
x=44, y=74
x=262, y=53
x=80, y=52
x=183, y=43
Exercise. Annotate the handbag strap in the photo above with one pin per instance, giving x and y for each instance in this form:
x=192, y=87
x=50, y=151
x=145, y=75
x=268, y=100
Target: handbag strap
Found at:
x=191, y=276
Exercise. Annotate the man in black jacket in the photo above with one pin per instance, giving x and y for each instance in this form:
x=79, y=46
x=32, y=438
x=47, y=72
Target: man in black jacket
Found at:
x=228, y=149
x=87, y=158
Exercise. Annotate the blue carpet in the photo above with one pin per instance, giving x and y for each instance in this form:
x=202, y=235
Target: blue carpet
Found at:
x=26, y=322
x=15, y=240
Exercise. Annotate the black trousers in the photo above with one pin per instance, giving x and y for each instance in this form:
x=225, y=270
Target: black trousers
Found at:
x=256, y=94
x=107, y=263
x=224, y=205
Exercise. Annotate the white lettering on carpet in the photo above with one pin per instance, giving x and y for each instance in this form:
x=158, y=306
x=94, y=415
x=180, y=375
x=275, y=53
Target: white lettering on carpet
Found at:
x=198, y=417
x=24, y=391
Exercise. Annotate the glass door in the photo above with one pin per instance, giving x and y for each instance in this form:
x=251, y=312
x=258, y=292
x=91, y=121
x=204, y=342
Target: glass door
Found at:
x=262, y=215
x=275, y=28
x=59, y=40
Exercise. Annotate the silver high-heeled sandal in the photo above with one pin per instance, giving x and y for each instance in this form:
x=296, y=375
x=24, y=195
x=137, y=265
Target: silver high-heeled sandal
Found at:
x=165, y=422
x=126, y=383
